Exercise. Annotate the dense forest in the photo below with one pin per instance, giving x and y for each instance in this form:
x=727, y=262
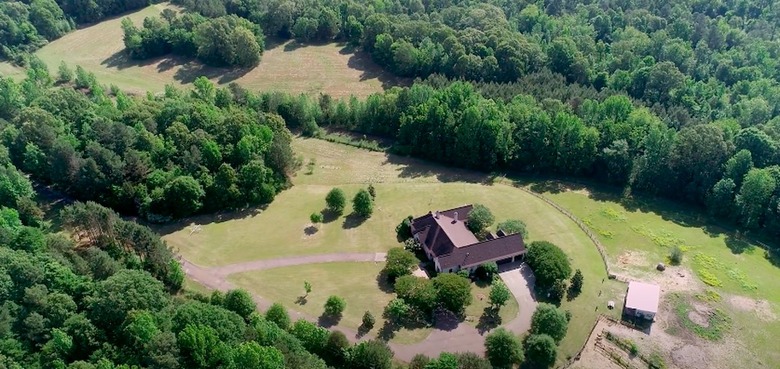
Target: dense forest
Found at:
x=109, y=297
x=678, y=100
x=160, y=157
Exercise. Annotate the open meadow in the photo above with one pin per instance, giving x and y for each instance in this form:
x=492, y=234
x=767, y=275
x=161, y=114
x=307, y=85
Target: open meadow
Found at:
x=289, y=67
x=721, y=302
x=404, y=187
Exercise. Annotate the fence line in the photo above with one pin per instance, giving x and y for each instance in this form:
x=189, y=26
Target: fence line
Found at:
x=580, y=224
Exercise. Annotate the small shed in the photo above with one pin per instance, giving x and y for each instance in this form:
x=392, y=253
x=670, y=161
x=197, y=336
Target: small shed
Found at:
x=642, y=300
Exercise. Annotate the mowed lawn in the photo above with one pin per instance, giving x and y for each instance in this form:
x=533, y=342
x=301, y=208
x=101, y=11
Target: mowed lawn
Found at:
x=404, y=187
x=638, y=237
x=356, y=283
x=288, y=67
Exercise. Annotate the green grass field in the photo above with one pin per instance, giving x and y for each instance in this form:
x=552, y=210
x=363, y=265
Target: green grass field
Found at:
x=289, y=67
x=404, y=187
x=355, y=282
x=638, y=235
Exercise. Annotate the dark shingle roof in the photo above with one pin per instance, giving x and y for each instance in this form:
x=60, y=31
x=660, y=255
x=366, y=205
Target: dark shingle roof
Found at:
x=455, y=245
x=482, y=252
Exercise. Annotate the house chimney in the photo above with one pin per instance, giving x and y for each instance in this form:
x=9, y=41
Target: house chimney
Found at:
x=436, y=214
x=456, y=217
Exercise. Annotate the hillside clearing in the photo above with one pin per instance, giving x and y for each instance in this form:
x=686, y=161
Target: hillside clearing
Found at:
x=404, y=187
x=288, y=67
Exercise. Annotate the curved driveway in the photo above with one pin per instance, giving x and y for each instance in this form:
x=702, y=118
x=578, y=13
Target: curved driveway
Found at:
x=463, y=338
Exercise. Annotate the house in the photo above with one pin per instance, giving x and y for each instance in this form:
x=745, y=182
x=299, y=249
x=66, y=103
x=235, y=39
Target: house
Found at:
x=642, y=300
x=447, y=241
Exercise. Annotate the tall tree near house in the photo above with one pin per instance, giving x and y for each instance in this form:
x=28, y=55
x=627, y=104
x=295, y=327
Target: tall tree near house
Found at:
x=480, y=218
x=363, y=204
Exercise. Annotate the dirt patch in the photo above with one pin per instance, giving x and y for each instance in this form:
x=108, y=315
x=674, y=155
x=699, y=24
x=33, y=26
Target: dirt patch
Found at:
x=690, y=356
x=633, y=258
x=700, y=315
x=699, y=319
x=675, y=279
x=762, y=308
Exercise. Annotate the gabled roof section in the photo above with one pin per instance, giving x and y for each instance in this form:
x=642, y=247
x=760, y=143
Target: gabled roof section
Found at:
x=482, y=252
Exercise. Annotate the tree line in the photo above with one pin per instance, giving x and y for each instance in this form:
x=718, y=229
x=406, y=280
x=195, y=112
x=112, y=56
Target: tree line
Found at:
x=160, y=157
x=730, y=169
x=696, y=60
x=224, y=41
x=28, y=25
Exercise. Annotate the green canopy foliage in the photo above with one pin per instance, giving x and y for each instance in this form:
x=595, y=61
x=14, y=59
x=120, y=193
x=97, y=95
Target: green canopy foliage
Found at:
x=548, y=262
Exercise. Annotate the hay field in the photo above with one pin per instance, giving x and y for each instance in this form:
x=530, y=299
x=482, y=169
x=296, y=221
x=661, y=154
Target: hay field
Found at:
x=289, y=67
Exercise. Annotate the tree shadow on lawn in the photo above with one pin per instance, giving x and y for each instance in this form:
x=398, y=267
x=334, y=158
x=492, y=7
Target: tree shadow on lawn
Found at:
x=329, y=215
x=353, y=221
x=446, y=320
x=301, y=300
x=310, y=230
x=194, y=69
x=360, y=60
x=383, y=282
x=220, y=217
x=327, y=321
x=738, y=245
x=412, y=168
x=489, y=320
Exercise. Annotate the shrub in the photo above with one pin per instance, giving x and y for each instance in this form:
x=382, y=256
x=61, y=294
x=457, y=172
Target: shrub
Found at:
x=316, y=217
x=548, y=262
x=480, y=218
x=499, y=294
x=512, y=226
x=335, y=306
x=557, y=291
x=576, y=282
x=368, y=320
x=396, y=310
x=487, y=271
x=463, y=273
x=336, y=201
x=372, y=191
x=399, y=262
x=403, y=231
x=676, y=255
x=363, y=204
